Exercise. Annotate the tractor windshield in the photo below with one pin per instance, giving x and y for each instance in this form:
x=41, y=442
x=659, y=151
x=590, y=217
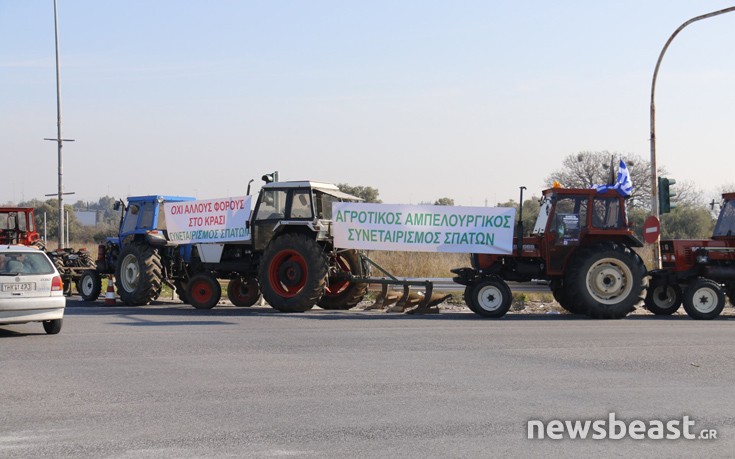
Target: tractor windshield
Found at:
x=543, y=216
x=726, y=222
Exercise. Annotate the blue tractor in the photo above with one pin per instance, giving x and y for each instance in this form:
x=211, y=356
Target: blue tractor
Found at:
x=139, y=256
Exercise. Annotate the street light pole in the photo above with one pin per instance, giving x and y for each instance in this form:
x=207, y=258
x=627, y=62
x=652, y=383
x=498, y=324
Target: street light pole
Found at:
x=654, y=177
x=59, y=140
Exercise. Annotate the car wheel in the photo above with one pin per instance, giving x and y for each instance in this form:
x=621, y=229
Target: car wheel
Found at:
x=52, y=327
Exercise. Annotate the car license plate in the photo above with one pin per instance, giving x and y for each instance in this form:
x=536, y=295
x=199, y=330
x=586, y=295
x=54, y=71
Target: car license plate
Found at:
x=19, y=287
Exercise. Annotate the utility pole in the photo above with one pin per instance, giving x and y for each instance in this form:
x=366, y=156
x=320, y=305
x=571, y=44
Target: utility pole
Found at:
x=59, y=140
x=654, y=178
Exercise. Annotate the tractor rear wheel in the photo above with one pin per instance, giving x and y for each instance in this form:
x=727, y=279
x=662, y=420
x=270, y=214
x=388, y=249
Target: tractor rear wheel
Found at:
x=243, y=291
x=203, y=291
x=663, y=299
x=89, y=285
x=343, y=294
x=606, y=279
x=293, y=273
x=489, y=298
x=138, y=274
x=704, y=299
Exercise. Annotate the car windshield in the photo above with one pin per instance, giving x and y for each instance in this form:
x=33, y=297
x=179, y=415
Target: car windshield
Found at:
x=34, y=263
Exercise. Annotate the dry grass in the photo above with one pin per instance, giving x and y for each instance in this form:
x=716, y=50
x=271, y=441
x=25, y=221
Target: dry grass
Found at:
x=418, y=264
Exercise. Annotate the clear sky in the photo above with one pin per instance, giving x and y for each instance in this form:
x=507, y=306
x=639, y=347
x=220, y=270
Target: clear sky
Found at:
x=419, y=98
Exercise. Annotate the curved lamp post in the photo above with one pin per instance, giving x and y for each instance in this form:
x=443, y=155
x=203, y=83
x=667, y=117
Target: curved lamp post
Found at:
x=654, y=178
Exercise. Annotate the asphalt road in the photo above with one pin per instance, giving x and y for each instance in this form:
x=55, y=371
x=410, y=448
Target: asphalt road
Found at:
x=171, y=381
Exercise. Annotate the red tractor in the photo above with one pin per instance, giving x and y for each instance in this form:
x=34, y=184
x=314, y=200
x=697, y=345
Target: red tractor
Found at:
x=581, y=244
x=18, y=226
x=697, y=273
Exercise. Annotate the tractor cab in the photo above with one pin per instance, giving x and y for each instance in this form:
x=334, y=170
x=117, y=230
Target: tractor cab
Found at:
x=569, y=218
x=143, y=217
x=18, y=226
x=300, y=206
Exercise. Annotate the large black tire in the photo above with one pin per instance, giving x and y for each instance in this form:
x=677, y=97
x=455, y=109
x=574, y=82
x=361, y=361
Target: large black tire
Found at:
x=58, y=263
x=341, y=294
x=243, y=291
x=293, y=273
x=203, y=291
x=138, y=274
x=663, y=299
x=86, y=260
x=704, y=299
x=569, y=304
x=606, y=279
x=489, y=298
x=89, y=285
x=52, y=327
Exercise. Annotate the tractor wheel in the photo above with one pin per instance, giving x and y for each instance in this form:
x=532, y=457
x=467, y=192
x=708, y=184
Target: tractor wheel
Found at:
x=180, y=286
x=606, y=279
x=138, y=275
x=293, y=273
x=704, y=299
x=203, y=291
x=663, y=299
x=243, y=291
x=343, y=294
x=58, y=264
x=489, y=298
x=89, y=285
x=566, y=302
x=87, y=260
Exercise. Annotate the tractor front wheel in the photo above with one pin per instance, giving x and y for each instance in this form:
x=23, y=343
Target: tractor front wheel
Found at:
x=89, y=285
x=243, y=291
x=489, y=298
x=293, y=273
x=203, y=291
x=704, y=299
x=663, y=299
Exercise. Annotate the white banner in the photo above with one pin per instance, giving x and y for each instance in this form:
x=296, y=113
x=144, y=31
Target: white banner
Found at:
x=423, y=228
x=212, y=220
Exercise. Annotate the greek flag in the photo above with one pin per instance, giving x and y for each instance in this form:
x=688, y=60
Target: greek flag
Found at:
x=623, y=184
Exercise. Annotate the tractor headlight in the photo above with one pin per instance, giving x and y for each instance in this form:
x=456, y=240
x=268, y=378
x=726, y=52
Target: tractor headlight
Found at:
x=702, y=259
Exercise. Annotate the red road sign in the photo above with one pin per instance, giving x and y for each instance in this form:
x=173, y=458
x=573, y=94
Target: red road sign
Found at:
x=651, y=229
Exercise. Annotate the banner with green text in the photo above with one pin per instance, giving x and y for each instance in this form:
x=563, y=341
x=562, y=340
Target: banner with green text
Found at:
x=423, y=228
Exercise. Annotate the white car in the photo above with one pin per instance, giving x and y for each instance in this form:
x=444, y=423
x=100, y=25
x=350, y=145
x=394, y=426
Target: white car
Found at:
x=31, y=289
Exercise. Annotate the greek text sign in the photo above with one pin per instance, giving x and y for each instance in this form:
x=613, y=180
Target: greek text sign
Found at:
x=212, y=220
x=423, y=228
